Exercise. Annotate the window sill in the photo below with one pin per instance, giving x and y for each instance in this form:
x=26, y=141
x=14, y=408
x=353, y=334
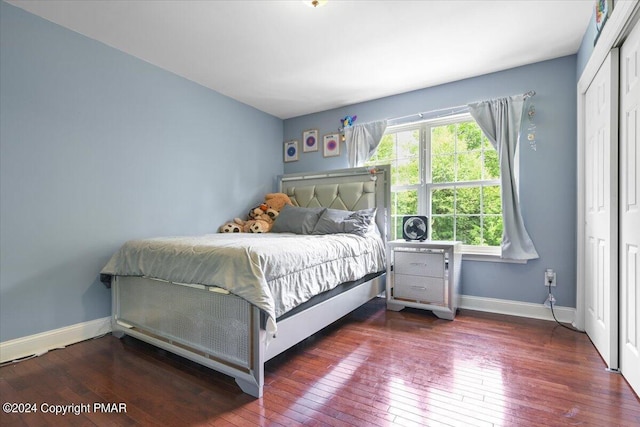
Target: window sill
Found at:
x=469, y=255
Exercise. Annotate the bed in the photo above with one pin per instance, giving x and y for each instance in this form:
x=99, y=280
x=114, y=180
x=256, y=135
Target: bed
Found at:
x=215, y=317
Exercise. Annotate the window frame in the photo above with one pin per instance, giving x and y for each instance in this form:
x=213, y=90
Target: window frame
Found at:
x=425, y=186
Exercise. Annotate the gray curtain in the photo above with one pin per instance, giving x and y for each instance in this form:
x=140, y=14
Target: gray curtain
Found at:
x=362, y=141
x=500, y=121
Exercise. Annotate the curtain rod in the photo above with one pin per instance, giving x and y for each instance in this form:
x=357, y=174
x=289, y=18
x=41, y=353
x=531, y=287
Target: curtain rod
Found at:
x=431, y=114
x=434, y=114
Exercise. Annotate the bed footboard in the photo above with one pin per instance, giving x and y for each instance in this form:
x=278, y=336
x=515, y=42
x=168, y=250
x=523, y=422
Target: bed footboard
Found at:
x=220, y=331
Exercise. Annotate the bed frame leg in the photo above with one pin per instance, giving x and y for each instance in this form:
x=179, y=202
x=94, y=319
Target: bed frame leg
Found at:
x=250, y=387
x=254, y=384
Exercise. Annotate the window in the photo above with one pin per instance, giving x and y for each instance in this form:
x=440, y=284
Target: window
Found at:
x=448, y=170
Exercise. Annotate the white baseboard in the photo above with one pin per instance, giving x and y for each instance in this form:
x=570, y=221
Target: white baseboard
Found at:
x=57, y=338
x=517, y=308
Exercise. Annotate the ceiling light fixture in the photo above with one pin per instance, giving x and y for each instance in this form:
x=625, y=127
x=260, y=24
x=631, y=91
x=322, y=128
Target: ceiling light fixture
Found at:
x=315, y=3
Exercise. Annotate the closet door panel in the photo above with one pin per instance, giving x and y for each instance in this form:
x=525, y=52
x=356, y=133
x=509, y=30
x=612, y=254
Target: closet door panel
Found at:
x=601, y=210
x=630, y=209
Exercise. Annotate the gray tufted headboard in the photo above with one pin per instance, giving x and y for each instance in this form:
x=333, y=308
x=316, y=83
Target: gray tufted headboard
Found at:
x=347, y=189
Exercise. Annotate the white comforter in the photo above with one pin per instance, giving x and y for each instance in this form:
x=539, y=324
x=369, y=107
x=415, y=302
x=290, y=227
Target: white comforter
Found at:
x=275, y=272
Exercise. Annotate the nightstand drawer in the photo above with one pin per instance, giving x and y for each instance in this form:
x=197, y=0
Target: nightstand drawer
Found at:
x=419, y=288
x=419, y=263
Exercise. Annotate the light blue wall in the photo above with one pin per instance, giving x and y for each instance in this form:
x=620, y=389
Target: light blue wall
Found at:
x=98, y=147
x=547, y=175
x=586, y=47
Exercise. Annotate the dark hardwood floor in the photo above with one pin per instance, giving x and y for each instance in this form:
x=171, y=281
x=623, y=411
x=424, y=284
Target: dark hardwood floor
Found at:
x=374, y=367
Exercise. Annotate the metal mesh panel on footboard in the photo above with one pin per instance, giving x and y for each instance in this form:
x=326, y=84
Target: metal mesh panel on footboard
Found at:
x=213, y=323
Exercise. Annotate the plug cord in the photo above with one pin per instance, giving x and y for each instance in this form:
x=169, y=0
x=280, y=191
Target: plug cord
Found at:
x=551, y=302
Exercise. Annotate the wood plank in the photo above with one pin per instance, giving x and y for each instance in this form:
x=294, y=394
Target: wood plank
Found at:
x=373, y=367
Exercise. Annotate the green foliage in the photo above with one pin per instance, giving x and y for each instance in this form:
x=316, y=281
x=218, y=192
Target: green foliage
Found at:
x=460, y=153
x=442, y=201
x=492, y=230
x=404, y=202
x=401, y=151
x=492, y=200
x=442, y=228
x=385, y=151
x=470, y=214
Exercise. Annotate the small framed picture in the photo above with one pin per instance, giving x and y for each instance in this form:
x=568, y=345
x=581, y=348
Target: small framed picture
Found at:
x=291, y=151
x=331, y=145
x=310, y=140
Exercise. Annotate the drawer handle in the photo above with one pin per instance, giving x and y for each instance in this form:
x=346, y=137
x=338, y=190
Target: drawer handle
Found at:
x=417, y=263
x=419, y=288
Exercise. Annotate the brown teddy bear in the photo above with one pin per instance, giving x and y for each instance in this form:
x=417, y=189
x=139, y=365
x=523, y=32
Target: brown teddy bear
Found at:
x=257, y=225
x=276, y=201
x=260, y=218
x=257, y=211
x=260, y=223
x=231, y=227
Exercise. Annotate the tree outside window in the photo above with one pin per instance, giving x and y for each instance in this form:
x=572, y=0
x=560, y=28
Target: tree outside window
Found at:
x=448, y=170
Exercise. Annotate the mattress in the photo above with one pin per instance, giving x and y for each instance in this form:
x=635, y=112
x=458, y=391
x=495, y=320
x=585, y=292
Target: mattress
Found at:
x=274, y=271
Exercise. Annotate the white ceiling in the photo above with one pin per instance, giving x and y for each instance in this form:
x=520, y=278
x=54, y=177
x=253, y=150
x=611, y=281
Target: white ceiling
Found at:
x=288, y=59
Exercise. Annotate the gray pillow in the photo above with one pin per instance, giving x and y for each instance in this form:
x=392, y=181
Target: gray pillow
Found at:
x=338, y=221
x=293, y=219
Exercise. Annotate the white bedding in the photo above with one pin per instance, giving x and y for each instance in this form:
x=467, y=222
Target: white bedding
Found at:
x=275, y=271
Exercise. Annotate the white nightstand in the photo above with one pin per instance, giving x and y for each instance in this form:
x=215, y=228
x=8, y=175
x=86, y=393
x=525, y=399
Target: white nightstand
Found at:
x=424, y=275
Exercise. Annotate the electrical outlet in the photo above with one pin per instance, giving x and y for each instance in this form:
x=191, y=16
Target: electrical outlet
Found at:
x=549, y=277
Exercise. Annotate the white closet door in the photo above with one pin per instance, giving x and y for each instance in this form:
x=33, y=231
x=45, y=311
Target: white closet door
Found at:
x=601, y=210
x=630, y=209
